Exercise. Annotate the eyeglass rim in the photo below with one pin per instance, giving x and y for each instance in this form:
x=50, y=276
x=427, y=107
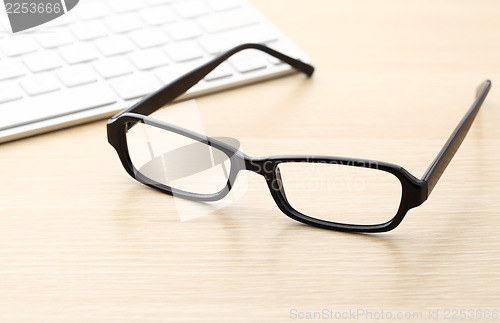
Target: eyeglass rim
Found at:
x=118, y=139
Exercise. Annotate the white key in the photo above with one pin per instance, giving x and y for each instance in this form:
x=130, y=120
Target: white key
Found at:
x=217, y=43
x=10, y=69
x=113, y=67
x=249, y=64
x=87, y=10
x=3, y=30
x=89, y=30
x=148, y=59
x=57, y=104
x=135, y=85
x=79, y=53
x=287, y=49
x=221, y=71
x=60, y=21
x=221, y=5
x=227, y=20
x=184, y=51
x=148, y=37
x=274, y=60
x=125, y=5
x=124, y=23
x=190, y=8
x=158, y=2
x=114, y=45
x=18, y=44
x=77, y=75
x=39, y=84
x=158, y=15
x=54, y=38
x=42, y=61
x=167, y=74
x=9, y=91
x=183, y=30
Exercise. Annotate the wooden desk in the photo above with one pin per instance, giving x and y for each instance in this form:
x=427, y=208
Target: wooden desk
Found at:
x=81, y=241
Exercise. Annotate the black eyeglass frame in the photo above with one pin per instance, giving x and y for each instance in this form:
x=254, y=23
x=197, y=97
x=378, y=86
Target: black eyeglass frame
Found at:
x=414, y=190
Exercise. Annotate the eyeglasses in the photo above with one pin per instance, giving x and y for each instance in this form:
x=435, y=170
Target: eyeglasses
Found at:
x=322, y=191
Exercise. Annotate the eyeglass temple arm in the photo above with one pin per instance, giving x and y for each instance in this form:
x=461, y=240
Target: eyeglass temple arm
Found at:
x=436, y=169
x=179, y=86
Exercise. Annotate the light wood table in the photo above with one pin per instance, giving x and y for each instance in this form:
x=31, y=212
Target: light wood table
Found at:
x=82, y=241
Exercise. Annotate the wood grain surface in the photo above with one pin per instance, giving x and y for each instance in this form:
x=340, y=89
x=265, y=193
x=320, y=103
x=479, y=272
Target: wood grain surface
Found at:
x=81, y=241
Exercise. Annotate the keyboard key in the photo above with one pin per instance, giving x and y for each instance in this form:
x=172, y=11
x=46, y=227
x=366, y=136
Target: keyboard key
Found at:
x=54, y=38
x=39, y=84
x=113, y=67
x=135, y=85
x=9, y=91
x=218, y=43
x=77, y=75
x=125, y=5
x=221, y=71
x=221, y=5
x=184, y=51
x=124, y=23
x=190, y=8
x=158, y=2
x=148, y=38
x=249, y=64
x=61, y=21
x=79, y=53
x=89, y=30
x=287, y=49
x=91, y=10
x=11, y=69
x=167, y=74
x=227, y=20
x=148, y=59
x=57, y=104
x=42, y=61
x=183, y=30
x=114, y=45
x=274, y=60
x=17, y=45
x=158, y=15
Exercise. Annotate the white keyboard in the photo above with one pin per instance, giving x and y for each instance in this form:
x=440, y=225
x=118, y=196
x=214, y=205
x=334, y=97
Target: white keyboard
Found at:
x=104, y=55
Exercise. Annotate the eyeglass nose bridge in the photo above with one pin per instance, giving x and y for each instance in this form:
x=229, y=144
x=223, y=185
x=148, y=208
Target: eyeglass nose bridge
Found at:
x=262, y=166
